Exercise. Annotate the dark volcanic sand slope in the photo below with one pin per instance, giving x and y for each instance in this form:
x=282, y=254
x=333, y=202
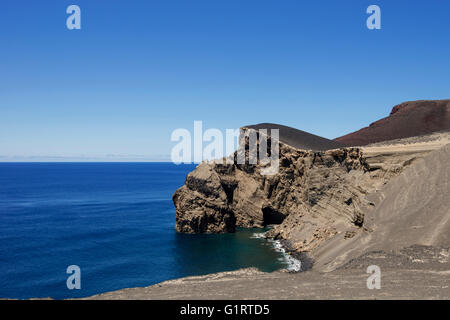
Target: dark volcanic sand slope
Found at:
x=299, y=139
x=408, y=119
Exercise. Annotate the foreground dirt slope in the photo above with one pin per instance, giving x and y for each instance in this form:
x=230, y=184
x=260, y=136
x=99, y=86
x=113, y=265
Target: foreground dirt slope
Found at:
x=412, y=208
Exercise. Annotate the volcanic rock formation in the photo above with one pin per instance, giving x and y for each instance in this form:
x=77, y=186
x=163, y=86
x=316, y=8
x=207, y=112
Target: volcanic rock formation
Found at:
x=325, y=197
x=219, y=197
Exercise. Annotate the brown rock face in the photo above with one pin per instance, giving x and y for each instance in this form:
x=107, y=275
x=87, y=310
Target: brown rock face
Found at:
x=202, y=204
x=408, y=119
x=311, y=187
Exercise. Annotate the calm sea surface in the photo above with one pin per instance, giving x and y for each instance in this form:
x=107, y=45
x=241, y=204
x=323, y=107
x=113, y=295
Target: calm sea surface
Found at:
x=115, y=221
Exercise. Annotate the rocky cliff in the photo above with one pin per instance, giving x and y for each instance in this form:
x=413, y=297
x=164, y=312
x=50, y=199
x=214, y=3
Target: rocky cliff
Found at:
x=217, y=197
x=315, y=196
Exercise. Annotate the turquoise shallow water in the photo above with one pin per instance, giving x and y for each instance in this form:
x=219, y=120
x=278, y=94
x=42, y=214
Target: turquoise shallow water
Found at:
x=115, y=221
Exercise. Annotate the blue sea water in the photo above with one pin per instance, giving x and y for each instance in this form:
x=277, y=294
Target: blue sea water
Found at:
x=115, y=221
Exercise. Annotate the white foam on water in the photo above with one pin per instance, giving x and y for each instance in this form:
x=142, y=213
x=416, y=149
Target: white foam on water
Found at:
x=292, y=263
x=258, y=235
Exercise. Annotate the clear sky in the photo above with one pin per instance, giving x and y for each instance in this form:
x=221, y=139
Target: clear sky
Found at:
x=137, y=70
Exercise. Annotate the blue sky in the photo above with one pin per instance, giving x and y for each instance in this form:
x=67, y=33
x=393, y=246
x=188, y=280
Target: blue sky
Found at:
x=137, y=70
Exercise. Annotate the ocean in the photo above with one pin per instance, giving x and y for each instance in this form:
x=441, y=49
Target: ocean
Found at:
x=113, y=220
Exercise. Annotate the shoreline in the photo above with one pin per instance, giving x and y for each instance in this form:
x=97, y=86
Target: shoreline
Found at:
x=403, y=276
x=297, y=261
x=305, y=259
